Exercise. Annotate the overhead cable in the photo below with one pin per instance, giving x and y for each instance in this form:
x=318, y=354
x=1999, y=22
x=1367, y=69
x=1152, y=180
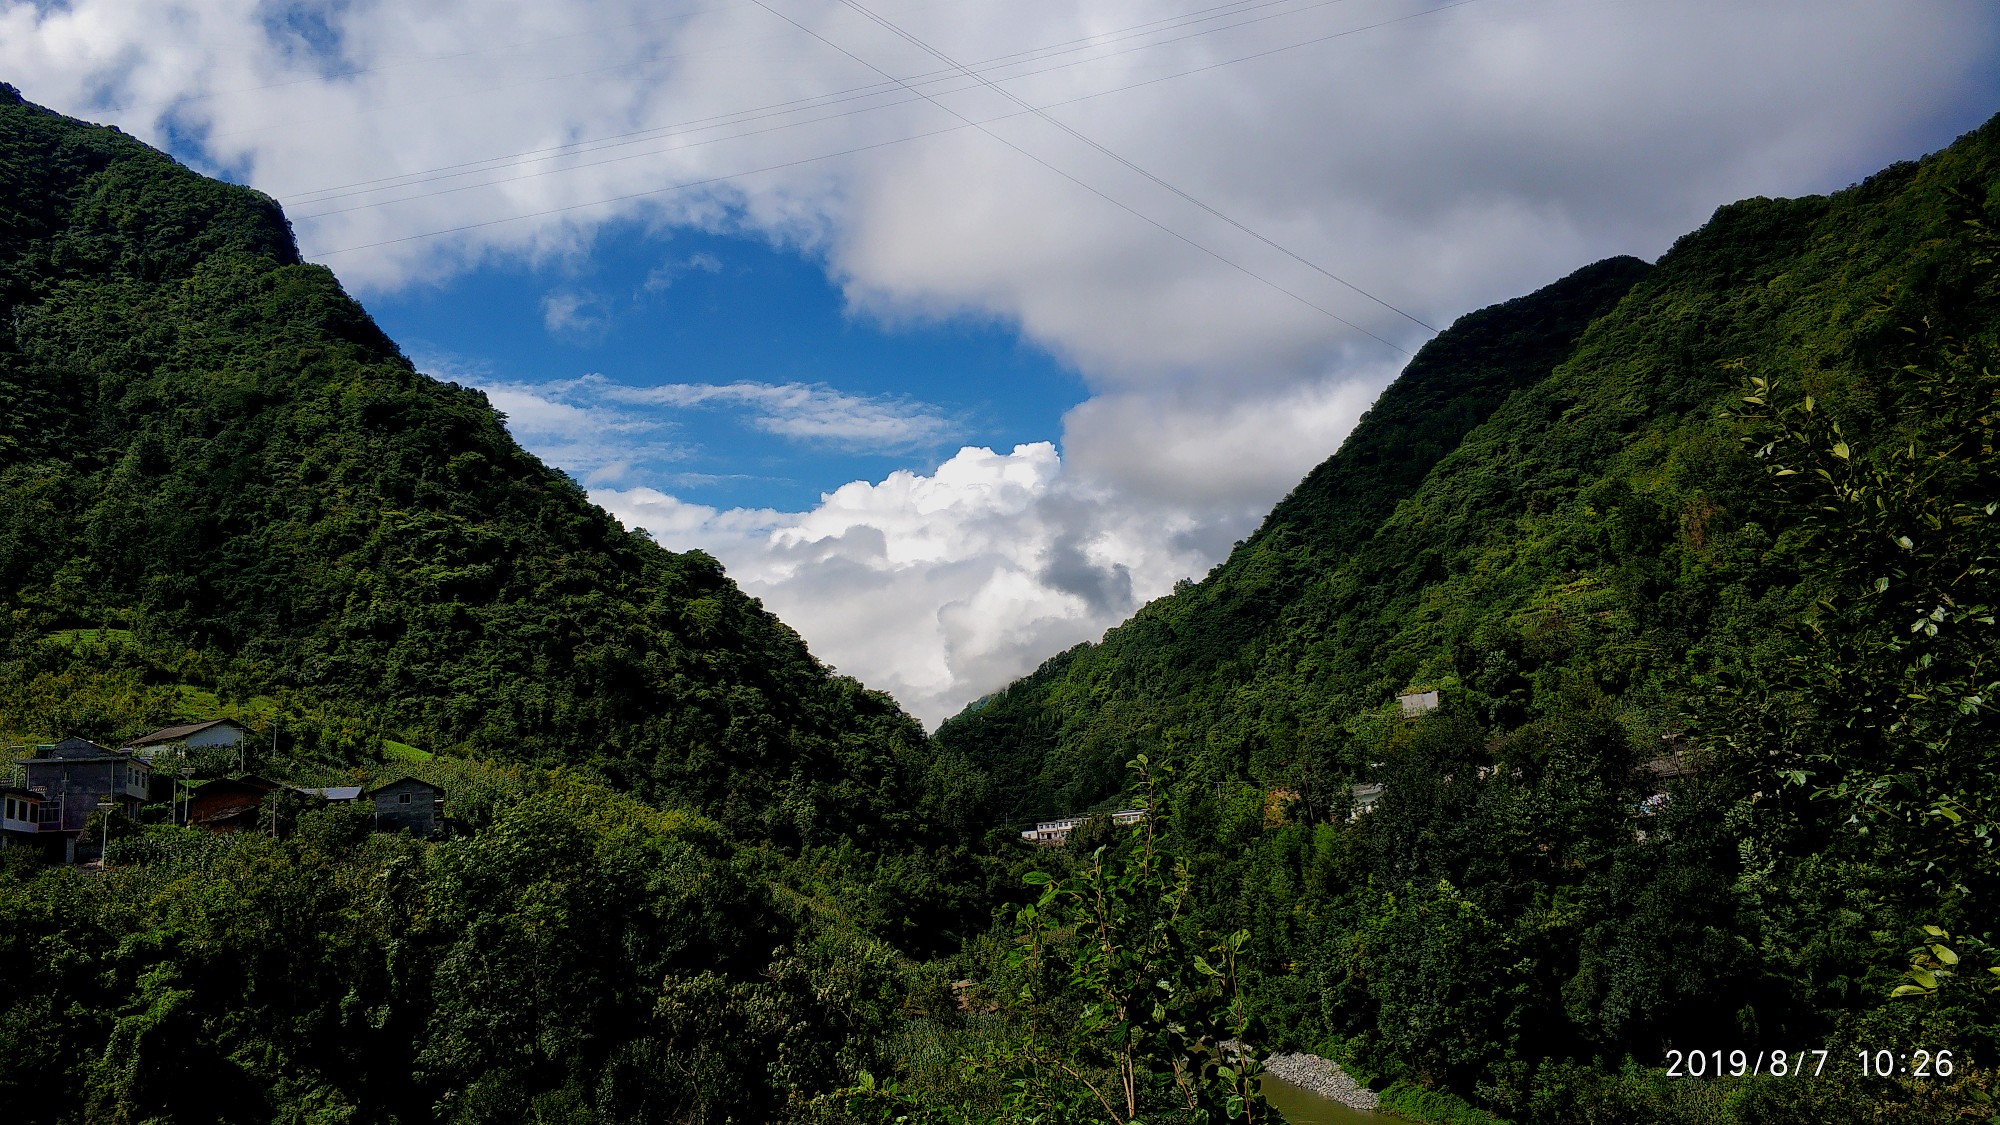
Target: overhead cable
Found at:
x=1118, y=203
x=857, y=6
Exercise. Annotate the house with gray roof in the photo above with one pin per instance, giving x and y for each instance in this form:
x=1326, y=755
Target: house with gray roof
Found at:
x=77, y=777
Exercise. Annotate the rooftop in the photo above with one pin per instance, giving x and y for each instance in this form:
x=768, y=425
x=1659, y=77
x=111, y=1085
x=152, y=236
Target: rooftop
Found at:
x=176, y=733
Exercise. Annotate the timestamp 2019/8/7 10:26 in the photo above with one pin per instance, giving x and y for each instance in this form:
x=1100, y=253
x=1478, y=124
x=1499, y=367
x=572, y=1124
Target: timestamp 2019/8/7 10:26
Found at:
x=1881, y=1063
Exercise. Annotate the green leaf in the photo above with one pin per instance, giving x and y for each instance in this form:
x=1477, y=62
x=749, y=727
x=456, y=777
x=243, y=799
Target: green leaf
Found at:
x=1036, y=878
x=1840, y=450
x=1908, y=990
x=1944, y=954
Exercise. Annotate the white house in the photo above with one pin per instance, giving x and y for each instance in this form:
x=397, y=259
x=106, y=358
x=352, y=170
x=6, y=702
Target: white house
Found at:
x=20, y=811
x=215, y=734
x=1418, y=702
x=1051, y=833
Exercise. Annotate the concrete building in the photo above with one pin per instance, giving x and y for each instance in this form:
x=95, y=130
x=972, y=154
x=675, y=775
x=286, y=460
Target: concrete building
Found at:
x=75, y=778
x=215, y=734
x=20, y=814
x=1419, y=702
x=1053, y=833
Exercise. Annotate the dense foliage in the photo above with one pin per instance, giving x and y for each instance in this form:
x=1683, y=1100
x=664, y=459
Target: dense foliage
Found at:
x=1708, y=600
x=575, y=956
x=1700, y=557
x=1176, y=646
x=689, y=866
x=208, y=446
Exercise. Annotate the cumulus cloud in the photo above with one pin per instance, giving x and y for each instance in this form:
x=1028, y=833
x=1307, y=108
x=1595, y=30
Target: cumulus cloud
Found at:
x=1438, y=155
x=939, y=587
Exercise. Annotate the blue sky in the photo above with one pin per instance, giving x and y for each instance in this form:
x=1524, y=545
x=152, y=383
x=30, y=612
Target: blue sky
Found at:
x=646, y=309
x=958, y=331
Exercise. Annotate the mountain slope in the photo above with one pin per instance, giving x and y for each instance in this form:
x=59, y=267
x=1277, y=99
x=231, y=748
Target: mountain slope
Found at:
x=1451, y=386
x=1366, y=581
x=206, y=443
x=1747, y=520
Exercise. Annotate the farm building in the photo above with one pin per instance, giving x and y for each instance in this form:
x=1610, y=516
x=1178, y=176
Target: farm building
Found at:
x=408, y=805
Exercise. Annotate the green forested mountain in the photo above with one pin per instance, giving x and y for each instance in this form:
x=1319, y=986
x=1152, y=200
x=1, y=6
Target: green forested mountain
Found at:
x=1699, y=557
x=1177, y=645
x=688, y=866
x=1705, y=589
x=209, y=449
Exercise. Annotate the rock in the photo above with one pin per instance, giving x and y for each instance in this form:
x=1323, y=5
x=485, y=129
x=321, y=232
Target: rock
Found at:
x=1323, y=1077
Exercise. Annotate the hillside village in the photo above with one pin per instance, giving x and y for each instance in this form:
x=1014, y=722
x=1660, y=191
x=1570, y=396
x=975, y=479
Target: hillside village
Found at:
x=67, y=798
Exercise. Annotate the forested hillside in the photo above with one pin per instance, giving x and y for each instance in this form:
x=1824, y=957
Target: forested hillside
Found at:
x=209, y=450
x=1178, y=644
x=1708, y=603
x=686, y=869
x=1699, y=558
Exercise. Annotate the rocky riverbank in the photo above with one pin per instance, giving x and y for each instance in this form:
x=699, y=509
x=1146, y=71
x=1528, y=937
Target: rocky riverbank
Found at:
x=1323, y=1077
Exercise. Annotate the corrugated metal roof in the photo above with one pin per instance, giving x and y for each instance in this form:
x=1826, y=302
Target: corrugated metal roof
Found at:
x=79, y=750
x=174, y=734
x=335, y=792
x=406, y=781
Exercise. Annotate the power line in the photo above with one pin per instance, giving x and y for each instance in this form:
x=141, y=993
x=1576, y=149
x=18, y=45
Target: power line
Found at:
x=1015, y=58
x=637, y=194
x=650, y=134
x=1120, y=204
x=181, y=99
x=857, y=6
x=964, y=123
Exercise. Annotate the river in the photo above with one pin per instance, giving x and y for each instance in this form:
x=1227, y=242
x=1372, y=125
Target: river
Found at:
x=1299, y=1106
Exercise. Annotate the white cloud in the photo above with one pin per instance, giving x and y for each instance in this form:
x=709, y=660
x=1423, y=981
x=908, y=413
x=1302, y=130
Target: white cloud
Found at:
x=807, y=412
x=939, y=587
x=1440, y=159
x=607, y=432
x=575, y=315
x=663, y=276
x=564, y=424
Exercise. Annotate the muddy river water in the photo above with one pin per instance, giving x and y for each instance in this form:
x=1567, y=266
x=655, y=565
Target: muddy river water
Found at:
x=1299, y=1106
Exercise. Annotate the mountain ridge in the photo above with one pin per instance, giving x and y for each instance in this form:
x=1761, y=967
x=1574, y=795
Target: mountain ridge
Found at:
x=209, y=445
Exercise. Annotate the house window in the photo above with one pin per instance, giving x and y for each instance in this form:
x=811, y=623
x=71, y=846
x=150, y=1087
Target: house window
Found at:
x=405, y=798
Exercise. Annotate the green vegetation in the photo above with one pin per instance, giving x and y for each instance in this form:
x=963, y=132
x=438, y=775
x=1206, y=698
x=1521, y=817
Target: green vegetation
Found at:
x=211, y=457
x=1700, y=557
x=690, y=867
x=1741, y=524
x=403, y=752
x=577, y=956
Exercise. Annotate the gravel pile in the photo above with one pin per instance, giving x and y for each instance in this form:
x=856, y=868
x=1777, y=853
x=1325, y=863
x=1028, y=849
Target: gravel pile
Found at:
x=1323, y=1077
